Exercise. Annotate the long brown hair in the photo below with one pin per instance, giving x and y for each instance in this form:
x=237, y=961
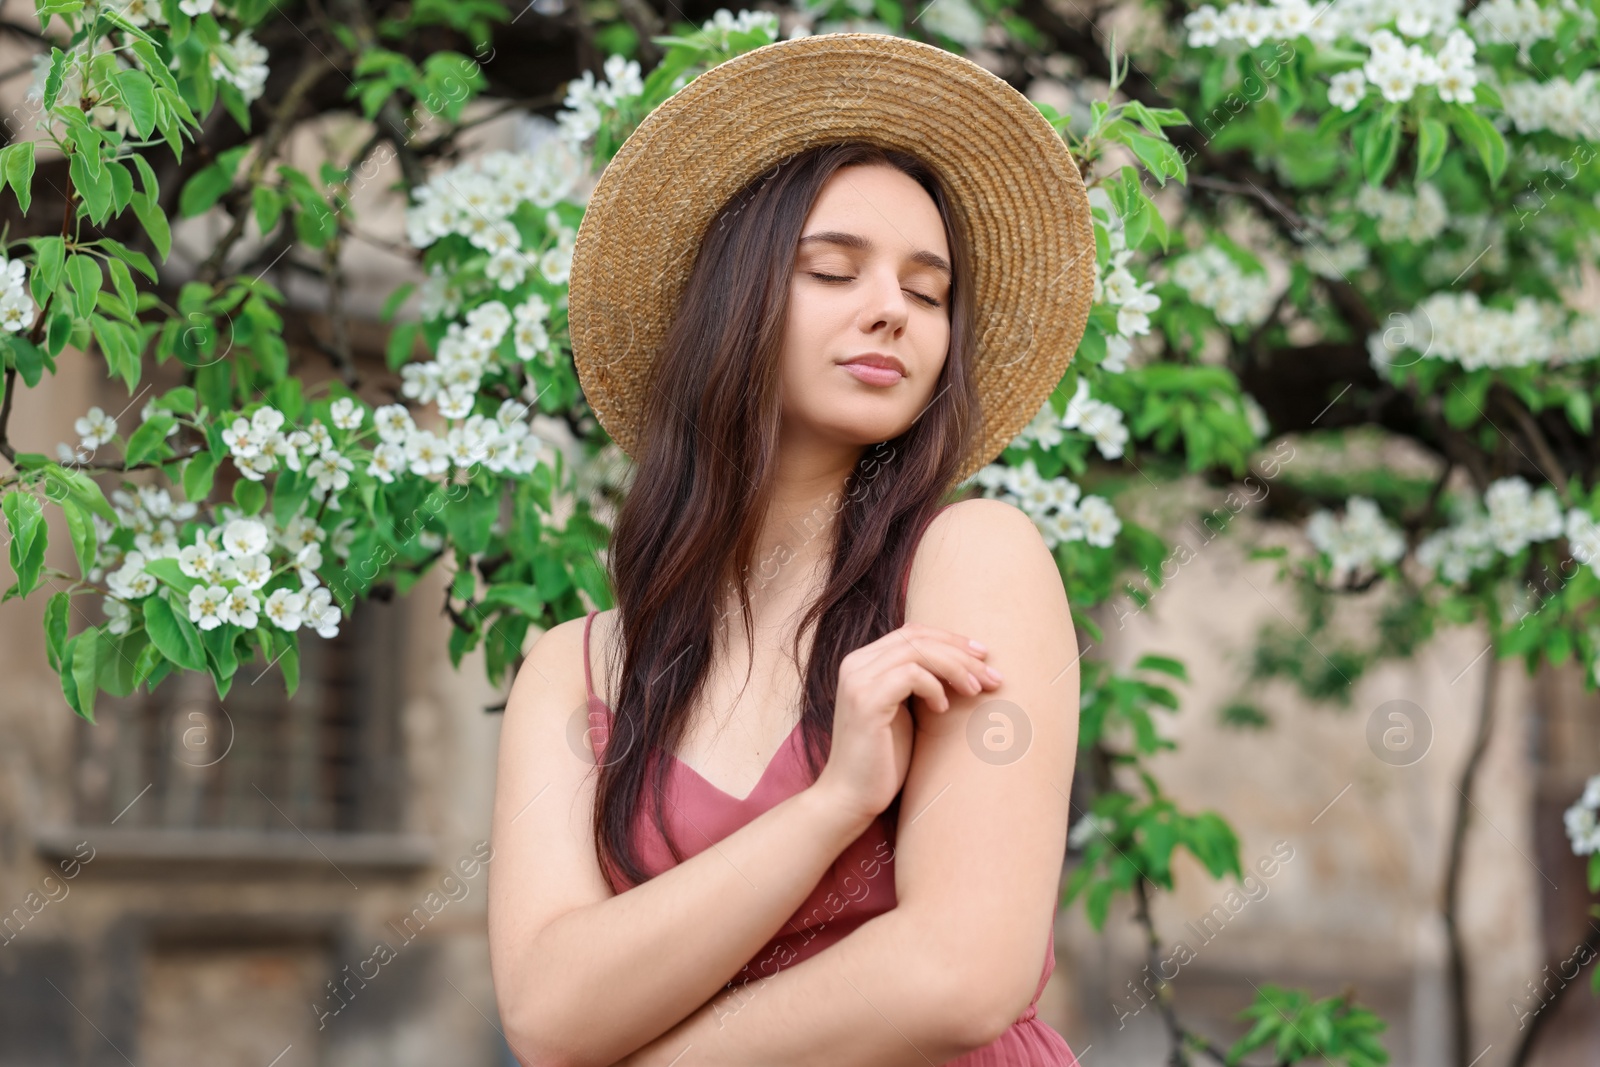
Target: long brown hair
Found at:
x=703, y=483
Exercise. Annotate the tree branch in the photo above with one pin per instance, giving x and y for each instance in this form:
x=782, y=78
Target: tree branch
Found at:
x=313, y=65
x=1461, y=1021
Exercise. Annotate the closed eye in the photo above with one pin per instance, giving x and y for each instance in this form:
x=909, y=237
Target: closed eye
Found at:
x=930, y=301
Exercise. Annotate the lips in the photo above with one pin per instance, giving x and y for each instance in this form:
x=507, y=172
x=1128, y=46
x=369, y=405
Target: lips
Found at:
x=877, y=359
x=875, y=368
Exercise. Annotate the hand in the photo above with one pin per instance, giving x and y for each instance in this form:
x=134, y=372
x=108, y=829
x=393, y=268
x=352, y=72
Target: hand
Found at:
x=872, y=725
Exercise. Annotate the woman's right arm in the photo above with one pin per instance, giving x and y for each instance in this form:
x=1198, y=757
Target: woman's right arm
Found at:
x=584, y=976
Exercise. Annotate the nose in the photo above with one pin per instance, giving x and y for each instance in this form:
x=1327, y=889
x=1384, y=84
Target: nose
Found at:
x=884, y=301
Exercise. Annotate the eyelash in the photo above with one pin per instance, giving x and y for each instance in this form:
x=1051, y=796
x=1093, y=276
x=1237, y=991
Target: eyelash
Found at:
x=930, y=301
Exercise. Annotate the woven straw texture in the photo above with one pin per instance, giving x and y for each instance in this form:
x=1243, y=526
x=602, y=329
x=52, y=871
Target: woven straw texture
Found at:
x=1009, y=174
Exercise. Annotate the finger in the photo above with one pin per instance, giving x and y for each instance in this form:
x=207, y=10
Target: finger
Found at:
x=919, y=638
x=964, y=671
x=921, y=682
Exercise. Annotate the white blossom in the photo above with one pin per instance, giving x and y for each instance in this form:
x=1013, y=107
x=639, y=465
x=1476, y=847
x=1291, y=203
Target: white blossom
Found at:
x=207, y=605
x=346, y=414
x=284, y=609
x=1362, y=537
x=95, y=428
x=244, y=537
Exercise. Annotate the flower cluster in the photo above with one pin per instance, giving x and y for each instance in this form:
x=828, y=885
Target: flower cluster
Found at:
x=1520, y=22
x=1511, y=516
x=1562, y=106
x=1394, y=67
x=1338, y=260
x=230, y=562
x=1254, y=24
x=1583, y=819
x=1115, y=285
x=1455, y=326
x=16, y=304
x=1097, y=419
x=1321, y=23
x=724, y=22
x=503, y=444
x=477, y=199
x=1361, y=538
x=1213, y=280
x=586, y=98
x=1403, y=216
x=1053, y=504
x=1397, y=69
x=240, y=60
x=957, y=20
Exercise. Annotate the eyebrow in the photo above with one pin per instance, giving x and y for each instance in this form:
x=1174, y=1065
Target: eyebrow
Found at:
x=855, y=240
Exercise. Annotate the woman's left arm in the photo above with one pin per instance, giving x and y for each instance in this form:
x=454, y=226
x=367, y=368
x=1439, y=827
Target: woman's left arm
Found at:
x=980, y=841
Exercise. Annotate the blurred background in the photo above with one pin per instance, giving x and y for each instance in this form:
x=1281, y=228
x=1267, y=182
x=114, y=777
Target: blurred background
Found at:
x=267, y=880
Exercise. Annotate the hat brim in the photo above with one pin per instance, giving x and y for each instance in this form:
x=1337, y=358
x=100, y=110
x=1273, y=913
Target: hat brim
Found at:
x=1008, y=173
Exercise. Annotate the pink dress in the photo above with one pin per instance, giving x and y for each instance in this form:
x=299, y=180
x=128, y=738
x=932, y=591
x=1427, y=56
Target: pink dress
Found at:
x=858, y=886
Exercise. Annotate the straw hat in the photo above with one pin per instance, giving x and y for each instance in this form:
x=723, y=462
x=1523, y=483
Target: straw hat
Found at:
x=1009, y=174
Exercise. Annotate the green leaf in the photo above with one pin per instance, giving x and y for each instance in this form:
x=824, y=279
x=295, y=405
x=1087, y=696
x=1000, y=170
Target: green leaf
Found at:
x=154, y=221
x=167, y=621
x=56, y=614
x=139, y=97
x=197, y=475
x=80, y=668
x=395, y=299
x=1432, y=139
x=56, y=334
x=66, y=481
x=56, y=75
x=150, y=437
x=25, y=519
x=18, y=171
x=28, y=358
x=469, y=520
x=1580, y=411
x=208, y=185
x=122, y=282
x=52, y=253
x=83, y=274
x=249, y=495
x=85, y=541
x=268, y=205
x=147, y=178
x=96, y=191
x=1379, y=149
x=137, y=260
x=524, y=598
x=168, y=570
x=1478, y=132
x=401, y=341
x=121, y=184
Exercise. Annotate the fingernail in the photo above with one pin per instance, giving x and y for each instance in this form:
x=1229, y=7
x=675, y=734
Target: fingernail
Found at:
x=975, y=683
x=996, y=675
x=979, y=645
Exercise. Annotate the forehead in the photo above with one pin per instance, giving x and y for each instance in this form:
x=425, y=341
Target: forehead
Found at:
x=875, y=208
x=882, y=203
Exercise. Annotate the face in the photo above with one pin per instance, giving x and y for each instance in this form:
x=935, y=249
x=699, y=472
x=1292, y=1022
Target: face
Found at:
x=871, y=275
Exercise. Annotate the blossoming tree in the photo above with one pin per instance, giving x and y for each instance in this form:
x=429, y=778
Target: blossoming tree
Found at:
x=1387, y=150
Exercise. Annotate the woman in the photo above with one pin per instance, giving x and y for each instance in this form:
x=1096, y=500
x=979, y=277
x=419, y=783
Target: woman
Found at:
x=776, y=862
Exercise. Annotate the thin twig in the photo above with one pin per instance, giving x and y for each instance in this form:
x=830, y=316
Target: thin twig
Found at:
x=313, y=66
x=1461, y=1021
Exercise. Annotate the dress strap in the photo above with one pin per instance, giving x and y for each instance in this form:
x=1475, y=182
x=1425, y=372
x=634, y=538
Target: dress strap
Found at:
x=599, y=713
x=588, y=676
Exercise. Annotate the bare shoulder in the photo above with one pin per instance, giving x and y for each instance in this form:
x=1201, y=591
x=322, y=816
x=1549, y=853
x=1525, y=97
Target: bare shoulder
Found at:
x=555, y=662
x=974, y=537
